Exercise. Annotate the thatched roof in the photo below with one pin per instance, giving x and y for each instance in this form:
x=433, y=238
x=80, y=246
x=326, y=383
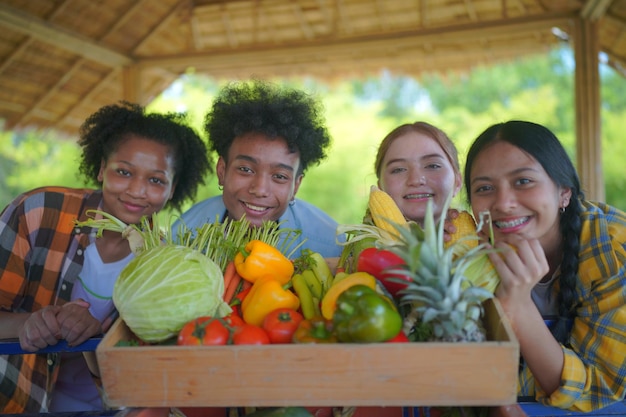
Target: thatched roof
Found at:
x=63, y=59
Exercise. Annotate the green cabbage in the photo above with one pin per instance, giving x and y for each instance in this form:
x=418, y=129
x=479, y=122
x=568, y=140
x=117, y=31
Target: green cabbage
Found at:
x=165, y=287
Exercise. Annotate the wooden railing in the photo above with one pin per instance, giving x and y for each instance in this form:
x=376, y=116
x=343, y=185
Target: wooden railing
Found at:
x=533, y=409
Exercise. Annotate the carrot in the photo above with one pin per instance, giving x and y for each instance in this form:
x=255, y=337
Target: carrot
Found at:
x=229, y=274
x=234, y=283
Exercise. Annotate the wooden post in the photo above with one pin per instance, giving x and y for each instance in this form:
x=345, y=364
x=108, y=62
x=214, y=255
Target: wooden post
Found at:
x=131, y=84
x=587, y=103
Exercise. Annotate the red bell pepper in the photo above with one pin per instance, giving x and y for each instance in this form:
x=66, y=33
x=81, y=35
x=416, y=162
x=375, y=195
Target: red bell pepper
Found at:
x=378, y=262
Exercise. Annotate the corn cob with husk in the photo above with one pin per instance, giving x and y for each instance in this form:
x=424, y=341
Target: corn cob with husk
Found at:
x=480, y=272
x=384, y=211
x=379, y=228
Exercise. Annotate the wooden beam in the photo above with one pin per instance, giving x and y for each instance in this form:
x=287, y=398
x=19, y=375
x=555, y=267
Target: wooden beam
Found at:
x=595, y=9
x=90, y=95
x=60, y=38
x=587, y=104
x=78, y=65
x=471, y=10
x=306, y=29
x=310, y=52
x=131, y=84
x=66, y=118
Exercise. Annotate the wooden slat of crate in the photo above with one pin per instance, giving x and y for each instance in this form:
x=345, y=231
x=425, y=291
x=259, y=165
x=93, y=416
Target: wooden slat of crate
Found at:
x=313, y=375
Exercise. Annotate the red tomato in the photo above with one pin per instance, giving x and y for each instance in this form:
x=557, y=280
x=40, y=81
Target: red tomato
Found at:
x=399, y=338
x=204, y=331
x=233, y=320
x=281, y=324
x=249, y=334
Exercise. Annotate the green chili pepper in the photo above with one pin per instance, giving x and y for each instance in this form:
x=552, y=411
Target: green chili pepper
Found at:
x=365, y=316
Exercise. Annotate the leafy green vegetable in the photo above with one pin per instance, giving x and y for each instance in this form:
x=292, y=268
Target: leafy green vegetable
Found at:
x=165, y=287
x=175, y=279
x=127, y=343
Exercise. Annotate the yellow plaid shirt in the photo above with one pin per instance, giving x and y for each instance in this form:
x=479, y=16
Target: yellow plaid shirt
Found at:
x=594, y=370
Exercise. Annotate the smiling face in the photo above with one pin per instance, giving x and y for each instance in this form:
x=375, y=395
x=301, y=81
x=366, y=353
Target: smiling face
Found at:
x=137, y=179
x=415, y=169
x=519, y=194
x=259, y=178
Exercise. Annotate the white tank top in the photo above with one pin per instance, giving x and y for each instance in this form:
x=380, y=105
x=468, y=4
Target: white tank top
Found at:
x=96, y=281
x=544, y=297
x=75, y=389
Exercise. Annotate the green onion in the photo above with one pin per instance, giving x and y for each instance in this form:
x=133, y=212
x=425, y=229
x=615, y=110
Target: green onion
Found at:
x=219, y=241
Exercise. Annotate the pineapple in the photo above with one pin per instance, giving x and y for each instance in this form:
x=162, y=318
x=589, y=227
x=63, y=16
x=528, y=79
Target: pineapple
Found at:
x=440, y=294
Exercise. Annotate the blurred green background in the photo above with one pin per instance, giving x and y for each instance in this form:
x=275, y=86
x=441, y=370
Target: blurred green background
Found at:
x=359, y=113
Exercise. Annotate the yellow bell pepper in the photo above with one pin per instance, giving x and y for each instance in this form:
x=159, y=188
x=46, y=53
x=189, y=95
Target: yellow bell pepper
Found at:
x=266, y=295
x=259, y=259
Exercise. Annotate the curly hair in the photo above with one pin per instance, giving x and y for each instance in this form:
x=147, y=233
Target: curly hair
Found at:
x=539, y=142
x=272, y=110
x=103, y=131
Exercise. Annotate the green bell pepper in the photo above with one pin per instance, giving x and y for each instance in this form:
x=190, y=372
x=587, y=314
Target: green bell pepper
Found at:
x=365, y=316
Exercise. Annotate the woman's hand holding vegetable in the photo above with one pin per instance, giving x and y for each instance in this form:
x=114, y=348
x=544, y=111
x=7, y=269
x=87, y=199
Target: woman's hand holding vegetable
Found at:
x=449, y=228
x=521, y=264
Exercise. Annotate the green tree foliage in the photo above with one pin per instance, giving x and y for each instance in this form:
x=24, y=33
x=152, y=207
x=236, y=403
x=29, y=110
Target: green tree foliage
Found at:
x=485, y=85
x=340, y=185
x=35, y=158
x=612, y=90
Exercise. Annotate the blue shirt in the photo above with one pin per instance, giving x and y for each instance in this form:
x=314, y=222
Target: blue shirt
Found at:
x=318, y=228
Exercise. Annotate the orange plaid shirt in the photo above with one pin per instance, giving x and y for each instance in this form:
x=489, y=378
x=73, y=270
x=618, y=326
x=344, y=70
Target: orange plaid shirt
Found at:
x=41, y=255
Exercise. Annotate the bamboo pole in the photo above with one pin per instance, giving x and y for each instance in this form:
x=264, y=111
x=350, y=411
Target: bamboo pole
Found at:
x=587, y=104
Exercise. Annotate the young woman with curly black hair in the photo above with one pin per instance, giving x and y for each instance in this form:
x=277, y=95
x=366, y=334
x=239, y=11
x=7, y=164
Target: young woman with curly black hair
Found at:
x=563, y=263
x=266, y=137
x=56, y=280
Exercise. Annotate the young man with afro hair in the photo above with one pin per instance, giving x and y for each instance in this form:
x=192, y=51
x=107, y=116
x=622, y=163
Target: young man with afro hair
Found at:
x=266, y=136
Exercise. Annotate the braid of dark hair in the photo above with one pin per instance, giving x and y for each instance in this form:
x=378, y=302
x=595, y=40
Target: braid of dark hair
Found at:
x=570, y=229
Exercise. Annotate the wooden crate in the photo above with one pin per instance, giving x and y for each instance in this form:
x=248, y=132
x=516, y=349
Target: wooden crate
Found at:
x=382, y=374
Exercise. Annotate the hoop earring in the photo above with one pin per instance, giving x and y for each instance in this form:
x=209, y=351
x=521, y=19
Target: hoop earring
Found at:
x=220, y=187
x=562, y=210
x=292, y=202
